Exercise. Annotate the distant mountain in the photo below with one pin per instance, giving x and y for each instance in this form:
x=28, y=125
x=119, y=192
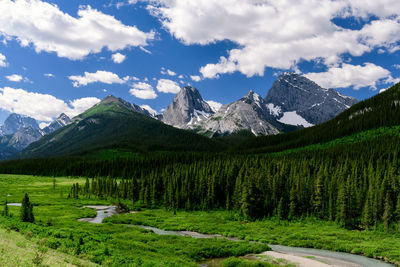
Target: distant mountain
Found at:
x=381, y=110
x=15, y=122
x=293, y=101
x=187, y=109
x=115, y=123
x=60, y=122
x=19, y=131
x=248, y=113
x=296, y=100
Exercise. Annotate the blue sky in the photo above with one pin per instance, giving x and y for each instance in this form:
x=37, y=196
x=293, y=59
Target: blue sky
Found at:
x=63, y=56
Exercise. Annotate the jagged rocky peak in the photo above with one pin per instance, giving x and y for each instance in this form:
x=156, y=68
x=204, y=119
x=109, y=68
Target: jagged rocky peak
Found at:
x=248, y=113
x=296, y=100
x=187, y=109
x=58, y=123
x=15, y=122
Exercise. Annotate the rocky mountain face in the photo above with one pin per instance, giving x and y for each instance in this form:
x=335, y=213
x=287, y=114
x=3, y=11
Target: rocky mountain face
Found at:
x=248, y=113
x=187, y=110
x=60, y=122
x=19, y=131
x=15, y=122
x=293, y=101
x=296, y=100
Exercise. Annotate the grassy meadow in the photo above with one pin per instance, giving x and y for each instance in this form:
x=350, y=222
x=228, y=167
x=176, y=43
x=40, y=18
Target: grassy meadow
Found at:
x=56, y=230
x=307, y=232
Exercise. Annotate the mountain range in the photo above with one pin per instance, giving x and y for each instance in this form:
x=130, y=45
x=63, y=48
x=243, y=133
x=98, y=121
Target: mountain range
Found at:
x=19, y=131
x=293, y=102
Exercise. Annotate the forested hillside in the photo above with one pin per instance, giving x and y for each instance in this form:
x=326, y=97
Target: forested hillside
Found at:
x=353, y=181
x=380, y=110
x=355, y=184
x=114, y=123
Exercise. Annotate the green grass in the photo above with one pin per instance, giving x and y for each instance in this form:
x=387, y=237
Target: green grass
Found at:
x=57, y=228
x=303, y=233
x=22, y=250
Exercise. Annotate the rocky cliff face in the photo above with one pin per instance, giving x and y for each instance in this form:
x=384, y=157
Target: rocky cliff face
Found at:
x=60, y=122
x=248, y=113
x=187, y=110
x=19, y=131
x=296, y=100
x=15, y=122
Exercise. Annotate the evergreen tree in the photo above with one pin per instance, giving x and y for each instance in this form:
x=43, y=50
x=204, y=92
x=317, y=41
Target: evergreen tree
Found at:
x=6, y=209
x=27, y=210
x=387, y=213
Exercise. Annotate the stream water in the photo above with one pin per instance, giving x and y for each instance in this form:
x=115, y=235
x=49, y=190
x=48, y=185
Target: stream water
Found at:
x=331, y=257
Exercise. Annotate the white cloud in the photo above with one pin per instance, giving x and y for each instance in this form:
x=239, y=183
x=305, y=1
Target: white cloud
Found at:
x=42, y=107
x=396, y=66
x=98, y=76
x=49, y=29
x=143, y=90
x=118, y=58
x=171, y=73
x=149, y=109
x=195, y=78
x=358, y=76
x=215, y=106
x=49, y=75
x=181, y=76
x=168, y=86
x=3, y=62
x=167, y=72
x=14, y=78
x=280, y=34
x=145, y=50
x=80, y=105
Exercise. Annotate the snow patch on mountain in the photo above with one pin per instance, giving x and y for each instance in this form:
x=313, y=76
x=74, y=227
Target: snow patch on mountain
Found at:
x=215, y=106
x=292, y=118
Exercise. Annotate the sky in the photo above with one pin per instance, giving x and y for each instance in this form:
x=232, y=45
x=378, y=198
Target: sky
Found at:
x=65, y=56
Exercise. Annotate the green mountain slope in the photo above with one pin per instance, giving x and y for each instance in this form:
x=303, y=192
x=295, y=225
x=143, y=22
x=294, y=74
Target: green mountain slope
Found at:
x=378, y=111
x=114, y=123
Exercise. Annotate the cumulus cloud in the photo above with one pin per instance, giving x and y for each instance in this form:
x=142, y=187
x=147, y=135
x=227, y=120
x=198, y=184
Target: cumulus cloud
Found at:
x=149, y=109
x=98, y=76
x=167, y=72
x=118, y=58
x=357, y=76
x=143, y=91
x=43, y=107
x=3, y=62
x=168, y=86
x=280, y=34
x=49, y=75
x=396, y=66
x=14, y=78
x=195, y=78
x=49, y=29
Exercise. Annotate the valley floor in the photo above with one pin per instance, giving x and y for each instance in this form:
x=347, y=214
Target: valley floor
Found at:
x=61, y=240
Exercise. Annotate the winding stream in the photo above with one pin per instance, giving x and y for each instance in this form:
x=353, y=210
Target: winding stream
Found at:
x=318, y=256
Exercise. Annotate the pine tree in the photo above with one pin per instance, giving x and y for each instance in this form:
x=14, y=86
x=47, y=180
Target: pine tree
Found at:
x=6, y=209
x=27, y=210
x=280, y=211
x=368, y=220
x=387, y=213
x=397, y=211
